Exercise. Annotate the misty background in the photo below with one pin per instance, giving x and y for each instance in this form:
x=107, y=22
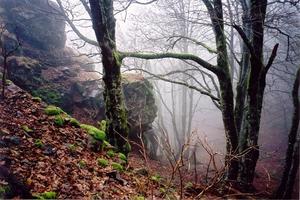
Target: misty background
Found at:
x=185, y=115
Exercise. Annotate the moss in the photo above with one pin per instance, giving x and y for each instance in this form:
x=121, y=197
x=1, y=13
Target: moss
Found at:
x=117, y=166
x=127, y=148
x=122, y=157
x=74, y=122
x=155, y=178
x=188, y=185
x=59, y=120
x=72, y=148
x=48, y=95
x=117, y=58
x=4, y=190
x=46, y=195
x=38, y=143
x=102, y=125
x=96, y=133
x=36, y=99
x=138, y=198
x=82, y=164
x=8, y=82
x=26, y=129
x=53, y=110
x=102, y=162
x=106, y=145
x=110, y=153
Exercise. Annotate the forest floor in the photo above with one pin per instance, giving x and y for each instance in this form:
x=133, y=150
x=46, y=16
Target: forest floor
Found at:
x=41, y=158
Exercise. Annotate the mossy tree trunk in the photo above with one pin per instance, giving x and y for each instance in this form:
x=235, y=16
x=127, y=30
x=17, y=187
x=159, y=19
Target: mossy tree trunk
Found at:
x=249, y=119
x=289, y=175
x=104, y=27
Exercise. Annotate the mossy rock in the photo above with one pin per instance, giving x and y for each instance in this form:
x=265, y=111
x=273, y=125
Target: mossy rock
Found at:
x=74, y=122
x=59, y=120
x=117, y=166
x=53, y=110
x=102, y=162
x=93, y=131
x=122, y=157
x=110, y=153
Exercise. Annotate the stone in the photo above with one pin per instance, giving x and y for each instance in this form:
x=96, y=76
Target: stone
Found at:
x=45, y=67
x=49, y=150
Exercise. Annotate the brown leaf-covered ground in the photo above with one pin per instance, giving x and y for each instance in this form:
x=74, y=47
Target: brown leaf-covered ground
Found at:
x=56, y=166
x=65, y=164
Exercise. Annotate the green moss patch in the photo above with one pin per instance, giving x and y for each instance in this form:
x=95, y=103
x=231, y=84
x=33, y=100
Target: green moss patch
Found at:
x=26, y=129
x=93, y=131
x=38, y=143
x=59, y=120
x=102, y=162
x=46, y=195
x=53, y=110
x=110, y=153
x=74, y=122
x=122, y=157
x=117, y=166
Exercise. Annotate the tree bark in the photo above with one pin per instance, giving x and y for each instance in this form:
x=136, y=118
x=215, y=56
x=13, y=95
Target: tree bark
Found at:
x=104, y=26
x=256, y=85
x=292, y=154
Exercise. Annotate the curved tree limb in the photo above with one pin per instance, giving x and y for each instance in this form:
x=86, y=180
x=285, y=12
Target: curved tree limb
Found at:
x=180, y=56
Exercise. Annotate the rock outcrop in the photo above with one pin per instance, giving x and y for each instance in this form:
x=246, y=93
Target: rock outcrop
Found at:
x=45, y=67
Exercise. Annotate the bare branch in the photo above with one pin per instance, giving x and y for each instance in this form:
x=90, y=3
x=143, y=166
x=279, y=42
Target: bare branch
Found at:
x=180, y=56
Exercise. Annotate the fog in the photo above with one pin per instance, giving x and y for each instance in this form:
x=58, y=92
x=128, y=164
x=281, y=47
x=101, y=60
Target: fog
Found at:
x=183, y=111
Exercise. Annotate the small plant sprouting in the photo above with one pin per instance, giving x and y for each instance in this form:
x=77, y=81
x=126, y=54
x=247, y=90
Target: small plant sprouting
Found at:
x=110, y=153
x=102, y=162
x=38, y=143
x=117, y=166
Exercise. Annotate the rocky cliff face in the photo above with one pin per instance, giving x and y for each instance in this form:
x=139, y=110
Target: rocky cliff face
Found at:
x=45, y=67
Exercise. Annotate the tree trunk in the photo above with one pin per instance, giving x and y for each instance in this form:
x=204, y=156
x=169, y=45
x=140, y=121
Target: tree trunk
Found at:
x=292, y=154
x=104, y=26
x=256, y=85
x=231, y=161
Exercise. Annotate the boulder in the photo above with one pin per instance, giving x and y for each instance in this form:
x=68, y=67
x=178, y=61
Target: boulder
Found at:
x=37, y=22
x=45, y=67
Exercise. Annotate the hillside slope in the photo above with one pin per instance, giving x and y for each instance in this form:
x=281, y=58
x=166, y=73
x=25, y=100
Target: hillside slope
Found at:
x=46, y=157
